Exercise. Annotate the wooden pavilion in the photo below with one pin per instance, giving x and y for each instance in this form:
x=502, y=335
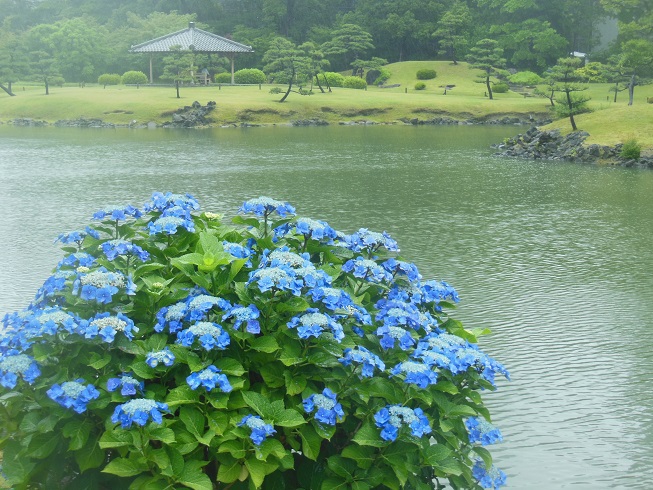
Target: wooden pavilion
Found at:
x=195, y=40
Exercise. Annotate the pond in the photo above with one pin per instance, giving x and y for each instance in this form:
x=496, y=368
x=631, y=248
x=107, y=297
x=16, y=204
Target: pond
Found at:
x=555, y=258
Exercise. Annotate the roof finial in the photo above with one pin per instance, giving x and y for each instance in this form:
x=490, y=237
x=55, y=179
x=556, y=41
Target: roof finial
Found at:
x=191, y=25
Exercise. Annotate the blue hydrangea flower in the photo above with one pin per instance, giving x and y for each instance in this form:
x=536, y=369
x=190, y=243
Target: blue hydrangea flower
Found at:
x=115, y=248
x=415, y=373
x=361, y=355
x=209, y=378
x=367, y=269
x=73, y=394
x=195, y=307
x=100, y=285
x=436, y=291
x=333, y=298
x=77, y=237
x=260, y=430
x=169, y=225
x=13, y=365
x=480, y=430
x=391, y=418
x=172, y=316
x=312, y=323
x=276, y=278
x=492, y=478
x=239, y=251
x=165, y=357
x=106, y=326
x=162, y=202
x=77, y=259
x=328, y=408
x=138, y=411
x=244, y=314
x=390, y=335
x=117, y=213
x=370, y=241
x=398, y=313
x=210, y=335
x=127, y=383
x=399, y=267
x=53, y=284
x=199, y=305
x=265, y=206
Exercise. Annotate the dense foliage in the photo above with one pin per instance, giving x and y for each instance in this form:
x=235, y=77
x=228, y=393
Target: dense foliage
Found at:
x=354, y=82
x=172, y=349
x=109, y=79
x=420, y=86
x=249, y=76
x=426, y=74
x=134, y=77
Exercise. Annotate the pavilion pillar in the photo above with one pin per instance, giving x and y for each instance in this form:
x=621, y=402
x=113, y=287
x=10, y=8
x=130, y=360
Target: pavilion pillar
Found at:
x=233, y=56
x=151, y=77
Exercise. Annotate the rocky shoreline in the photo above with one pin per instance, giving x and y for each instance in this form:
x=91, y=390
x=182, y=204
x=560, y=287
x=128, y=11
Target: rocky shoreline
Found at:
x=551, y=145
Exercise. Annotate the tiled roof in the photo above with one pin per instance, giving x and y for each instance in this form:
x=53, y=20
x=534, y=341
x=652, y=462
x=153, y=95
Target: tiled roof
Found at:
x=201, y=41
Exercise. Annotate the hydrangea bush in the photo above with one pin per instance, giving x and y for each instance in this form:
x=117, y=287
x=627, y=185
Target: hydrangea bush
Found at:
x=171, y=349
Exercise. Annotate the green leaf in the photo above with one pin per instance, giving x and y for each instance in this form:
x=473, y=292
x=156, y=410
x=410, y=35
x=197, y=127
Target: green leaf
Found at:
x=267, y=344
x=229, y=469
x=142, y=370
x=15, y=467
x=256, y=470
x=240, y=220
x=363, y=455
x=311, y=442
x=342, y=467
x=461, y=411
x=176, y=462
x=258, y=403
x=485, y=456
x=229, y=366
x=436, y=453
x=159, y=457
x=97, y=362
x=78, y=432
x=291, y=353
x=235, y=448
x=218, y=421
x=122, y=467
x=193, y=477
x=42, y=445
x=115, y=438
x=369, y=435
x=293, y=305
x=324, y=431
x=295, y=384
x=90, y=456
x=193, y=419
x=449, y=466
x=182, y=395
x=274, y=447
x=289, y=418
x=334, y=483
x=163, y=434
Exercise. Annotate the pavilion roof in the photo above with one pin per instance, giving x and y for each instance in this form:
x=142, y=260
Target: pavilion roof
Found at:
x=192, y=39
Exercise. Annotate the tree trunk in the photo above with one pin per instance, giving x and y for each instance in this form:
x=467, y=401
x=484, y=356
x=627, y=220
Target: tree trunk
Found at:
x=47, y=86
x=7, y=89
x=317, y=79
x=571, y=112
x=292, y=77
x=616, y=91
x=631, y=89
x=489, y=87
x=326, y=80
x=177, y=87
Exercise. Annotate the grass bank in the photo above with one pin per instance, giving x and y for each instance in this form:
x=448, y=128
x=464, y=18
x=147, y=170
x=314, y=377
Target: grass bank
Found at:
x=610, y=123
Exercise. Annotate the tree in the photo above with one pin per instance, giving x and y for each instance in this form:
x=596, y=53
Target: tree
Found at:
x=487, y=56
x=453, y=30
x=42, y=62
x=179, y=66
x=284, y=61
x=349, y=41
x=637, y=61
x=13, y=60
x=316, y=63
x=567, y=81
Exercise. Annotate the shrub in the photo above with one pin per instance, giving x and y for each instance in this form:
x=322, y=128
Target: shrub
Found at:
x=420, y=86
x=169, y=349
x=134, y=78
x=631, y=149
x=109, y=79
x=334, y=79
x=354, y=82
x=223, y=77
x=426, y=74
x=250, y=76
x=56, y=81
x=500, y=88
x=525, y=78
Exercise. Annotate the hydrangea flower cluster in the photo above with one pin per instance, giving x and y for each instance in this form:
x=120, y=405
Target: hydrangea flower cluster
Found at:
x=328, y=408
x=415, y=373
x=310, y=229
x=313, y=324
x=360, y=355
x=77, y=237
x=367, y=269
x=259, y=429
x=77, y=259
x=100, y=285
x=73, y=394
x=492, y=478
x=138, y=411
x=175, y=212
x=265, y=206
x=392, y=417
x=480, y=430
x=239, y=251
x=243, y=314
x=117, y=213
x=165, y=357
x=13, y=365
x=106, y=326
x=195, y=307
x=209, y=378
x=210, y=336
x=128, y=385
x=115, y=248
x=365, y=240
x=399, y=268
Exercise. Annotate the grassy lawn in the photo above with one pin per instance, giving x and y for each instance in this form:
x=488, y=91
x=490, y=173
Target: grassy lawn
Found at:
x=610, y=123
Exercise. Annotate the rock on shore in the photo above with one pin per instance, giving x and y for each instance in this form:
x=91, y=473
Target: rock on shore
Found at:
x=551, y=145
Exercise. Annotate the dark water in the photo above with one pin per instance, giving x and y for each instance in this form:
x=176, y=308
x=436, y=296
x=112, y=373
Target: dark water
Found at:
x=557, y=259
